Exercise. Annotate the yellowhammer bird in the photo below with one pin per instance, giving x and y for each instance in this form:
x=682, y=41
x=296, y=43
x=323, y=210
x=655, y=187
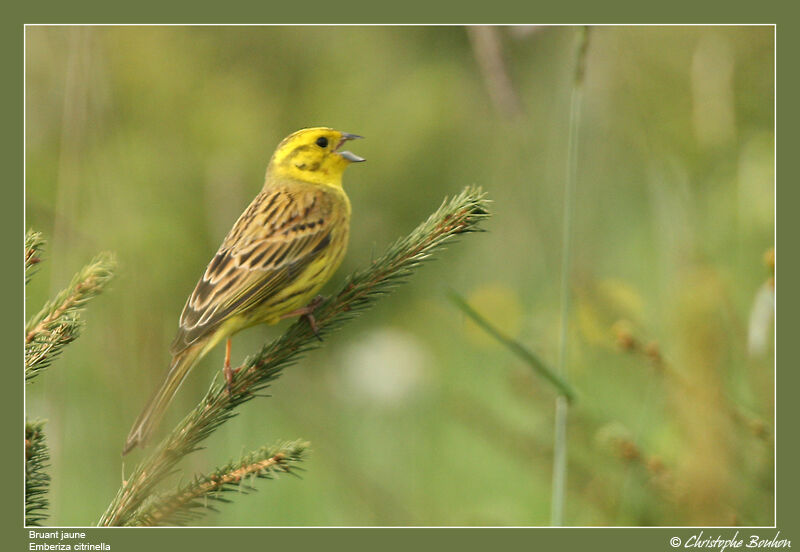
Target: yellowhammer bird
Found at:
x=284, y=247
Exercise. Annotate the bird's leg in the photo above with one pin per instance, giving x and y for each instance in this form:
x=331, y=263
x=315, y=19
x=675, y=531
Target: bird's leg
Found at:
x=227, y=369
x=307, y=312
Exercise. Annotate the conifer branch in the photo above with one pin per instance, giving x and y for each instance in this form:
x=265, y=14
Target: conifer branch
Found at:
x=34, y=242
x=46, y=334
x=59, y=322
x=37, y=481
x=192, y=500
x=459, y=215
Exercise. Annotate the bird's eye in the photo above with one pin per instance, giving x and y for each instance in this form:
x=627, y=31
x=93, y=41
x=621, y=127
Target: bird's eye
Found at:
x=322, y=142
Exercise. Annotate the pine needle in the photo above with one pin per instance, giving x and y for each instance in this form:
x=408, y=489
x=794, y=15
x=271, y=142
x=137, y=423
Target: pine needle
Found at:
x=34, y=243
x=194, y=499
x=37, y=482
x=59, y=322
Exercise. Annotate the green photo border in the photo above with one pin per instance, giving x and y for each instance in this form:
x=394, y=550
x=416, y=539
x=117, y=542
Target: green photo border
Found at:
x=788, y=379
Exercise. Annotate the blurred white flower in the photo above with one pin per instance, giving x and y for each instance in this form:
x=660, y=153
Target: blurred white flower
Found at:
x=760, y=324
x=386, y=366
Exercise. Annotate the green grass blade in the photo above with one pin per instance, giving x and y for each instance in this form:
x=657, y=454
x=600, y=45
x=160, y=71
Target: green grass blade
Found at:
x=531, y=359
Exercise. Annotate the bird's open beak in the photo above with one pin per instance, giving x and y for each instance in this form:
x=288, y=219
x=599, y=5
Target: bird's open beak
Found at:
x=350, y=156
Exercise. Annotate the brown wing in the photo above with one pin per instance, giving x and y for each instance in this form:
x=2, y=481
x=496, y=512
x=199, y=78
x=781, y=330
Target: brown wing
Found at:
x=276, y=237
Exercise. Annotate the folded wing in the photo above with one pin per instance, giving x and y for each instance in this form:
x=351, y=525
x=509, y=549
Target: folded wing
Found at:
x=274, y=240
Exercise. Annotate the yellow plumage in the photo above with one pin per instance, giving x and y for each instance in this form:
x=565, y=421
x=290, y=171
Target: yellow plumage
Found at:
x=284, y=247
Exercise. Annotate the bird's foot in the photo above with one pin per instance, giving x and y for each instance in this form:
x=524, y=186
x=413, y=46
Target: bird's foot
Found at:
x=307, y=312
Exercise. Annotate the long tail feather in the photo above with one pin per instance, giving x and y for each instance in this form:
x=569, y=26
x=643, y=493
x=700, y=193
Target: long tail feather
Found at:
x=150, y=417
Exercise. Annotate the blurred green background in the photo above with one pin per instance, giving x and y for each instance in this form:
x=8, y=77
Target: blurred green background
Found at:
x=149, y=142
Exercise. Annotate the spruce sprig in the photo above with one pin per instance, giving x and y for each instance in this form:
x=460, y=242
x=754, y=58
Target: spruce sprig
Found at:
x=37, y=482
x=46, y=334
x=193, y=500
x=34, y=243
x=459, y=215
x=59, y=322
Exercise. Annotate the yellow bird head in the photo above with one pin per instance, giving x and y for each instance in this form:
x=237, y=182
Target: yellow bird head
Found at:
x=312, y=155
